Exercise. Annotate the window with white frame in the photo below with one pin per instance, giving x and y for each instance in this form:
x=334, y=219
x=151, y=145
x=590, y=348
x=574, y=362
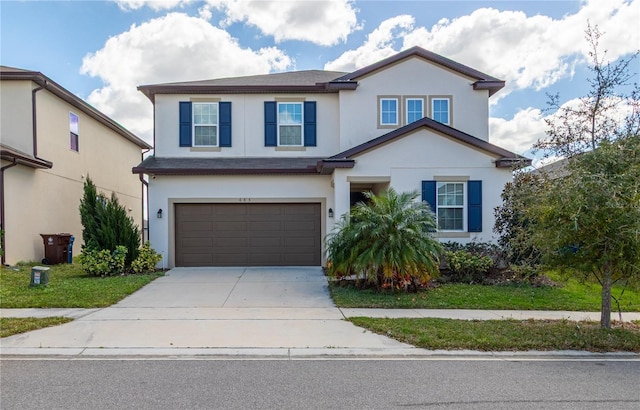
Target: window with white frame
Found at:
x=450, y=206
x=74, y=132
x=441, y=110
x=205, y=124
x=414, y=109
x=388, y=111
x=290, y=124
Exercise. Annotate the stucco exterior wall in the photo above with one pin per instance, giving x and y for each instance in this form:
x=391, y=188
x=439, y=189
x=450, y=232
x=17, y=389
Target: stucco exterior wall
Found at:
x=423, y=156
x=411, y=77
x=166, y=191
x=247, y=122
x=15, y=111
x=46, y=200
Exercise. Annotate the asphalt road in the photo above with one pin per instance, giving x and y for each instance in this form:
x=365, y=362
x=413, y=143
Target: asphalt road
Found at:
x=225, y=384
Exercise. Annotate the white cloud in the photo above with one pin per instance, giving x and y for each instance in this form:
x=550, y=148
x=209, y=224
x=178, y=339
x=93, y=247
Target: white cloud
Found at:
x=526, y=51
x=519, y=133
x=379, y=45
x=172, y=48
x=326, y=22
x=156, y=5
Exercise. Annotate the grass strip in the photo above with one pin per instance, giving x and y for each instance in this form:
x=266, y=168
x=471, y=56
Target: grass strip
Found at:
x=573, y=296
x=505, y=335
x=69, y=287
x=13, y=325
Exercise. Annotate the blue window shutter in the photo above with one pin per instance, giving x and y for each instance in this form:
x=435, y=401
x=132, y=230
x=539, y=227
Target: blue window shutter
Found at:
x=429, y=193
x=270, y=124
x=474, y=207
x=225, y=123
x=309, y=123
x=185, y=123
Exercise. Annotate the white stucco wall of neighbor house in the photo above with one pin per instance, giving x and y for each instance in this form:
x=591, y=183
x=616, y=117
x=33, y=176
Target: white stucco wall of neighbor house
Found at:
x=166, y=191
x=423, y=156
x=247, y=122
x=413, y=77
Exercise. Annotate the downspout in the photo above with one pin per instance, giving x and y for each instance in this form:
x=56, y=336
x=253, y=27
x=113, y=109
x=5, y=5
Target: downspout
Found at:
x=145, y=204
x=34, y=133
x=34, y=120
x=2, y=242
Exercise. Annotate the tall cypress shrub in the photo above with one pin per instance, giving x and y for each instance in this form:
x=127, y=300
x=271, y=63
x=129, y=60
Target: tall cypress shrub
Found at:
x=107, y=224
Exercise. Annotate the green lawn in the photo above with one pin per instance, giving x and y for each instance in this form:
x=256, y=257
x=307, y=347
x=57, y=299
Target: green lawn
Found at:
x=68, y=287
x=505, y=335
x=572, y=295
x=12, y=325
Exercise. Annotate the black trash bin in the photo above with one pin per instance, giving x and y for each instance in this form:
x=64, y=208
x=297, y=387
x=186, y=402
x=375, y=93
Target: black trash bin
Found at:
x=56, y=248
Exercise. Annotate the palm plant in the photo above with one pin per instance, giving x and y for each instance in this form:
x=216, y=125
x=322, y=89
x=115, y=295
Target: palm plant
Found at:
x=388, y=240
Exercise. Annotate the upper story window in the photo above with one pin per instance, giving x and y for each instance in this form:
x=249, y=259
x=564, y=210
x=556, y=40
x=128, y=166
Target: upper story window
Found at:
x=74, y=132
x=205, y=124
x=441, y=109
x=450, y=206
x=414, y=109
x=388, y=112
x=290, y=124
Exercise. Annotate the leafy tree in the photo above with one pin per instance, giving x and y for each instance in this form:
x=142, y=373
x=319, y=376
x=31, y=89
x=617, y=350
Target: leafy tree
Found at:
x=106, y=224
x=587, y=218
x=388, y=240
x=512, y=223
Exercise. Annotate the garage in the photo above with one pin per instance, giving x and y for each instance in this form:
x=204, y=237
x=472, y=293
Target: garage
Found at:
x=257, y=234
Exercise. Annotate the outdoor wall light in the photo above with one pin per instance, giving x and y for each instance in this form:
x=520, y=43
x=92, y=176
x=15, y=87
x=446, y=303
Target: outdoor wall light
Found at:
x=330, y=213
x=160, y=213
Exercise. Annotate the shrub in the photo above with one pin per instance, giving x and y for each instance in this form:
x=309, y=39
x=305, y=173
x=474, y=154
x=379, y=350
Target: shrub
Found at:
x=106, y=224
x=103, y=262
x=464, y=266
x=147, y=259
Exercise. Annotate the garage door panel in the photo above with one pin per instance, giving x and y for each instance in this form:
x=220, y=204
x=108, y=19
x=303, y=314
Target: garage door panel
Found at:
x=193, y=243
x=248, y=234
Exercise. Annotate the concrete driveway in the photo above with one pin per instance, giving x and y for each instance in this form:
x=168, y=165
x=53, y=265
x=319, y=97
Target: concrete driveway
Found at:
x=281, y=311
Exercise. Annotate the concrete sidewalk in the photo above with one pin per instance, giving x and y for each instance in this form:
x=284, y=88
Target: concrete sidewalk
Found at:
x=236, y=313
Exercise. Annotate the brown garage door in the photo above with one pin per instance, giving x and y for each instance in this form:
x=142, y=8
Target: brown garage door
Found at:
x=248, y=234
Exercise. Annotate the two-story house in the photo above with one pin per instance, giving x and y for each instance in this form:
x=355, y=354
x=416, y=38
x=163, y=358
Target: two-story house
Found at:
x=257, y=170
x=50, y=140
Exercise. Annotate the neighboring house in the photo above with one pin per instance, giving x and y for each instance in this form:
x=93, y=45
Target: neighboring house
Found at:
x=257, y=170
x=50, y=140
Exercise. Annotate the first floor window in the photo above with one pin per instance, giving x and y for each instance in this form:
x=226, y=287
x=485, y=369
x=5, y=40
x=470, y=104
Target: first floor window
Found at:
x=205, y=124
x=441, y=110
x=388, y=111
x=290, y=124
x=414, y=109
x=451, y=205
x=73, y=132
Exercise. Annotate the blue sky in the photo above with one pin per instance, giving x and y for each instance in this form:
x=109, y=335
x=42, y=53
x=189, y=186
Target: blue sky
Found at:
x=101, y=50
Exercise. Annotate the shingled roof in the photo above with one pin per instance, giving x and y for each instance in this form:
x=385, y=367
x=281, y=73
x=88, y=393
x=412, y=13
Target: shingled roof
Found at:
x=315, y=81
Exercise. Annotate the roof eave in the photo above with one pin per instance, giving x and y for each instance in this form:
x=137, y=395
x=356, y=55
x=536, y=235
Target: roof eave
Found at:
x=21, y=159
x=222, y=171
x=513, y=162
x=492, y=86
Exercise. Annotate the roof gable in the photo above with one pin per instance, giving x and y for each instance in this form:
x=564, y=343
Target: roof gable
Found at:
x=483, y=81
x=505, y=159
